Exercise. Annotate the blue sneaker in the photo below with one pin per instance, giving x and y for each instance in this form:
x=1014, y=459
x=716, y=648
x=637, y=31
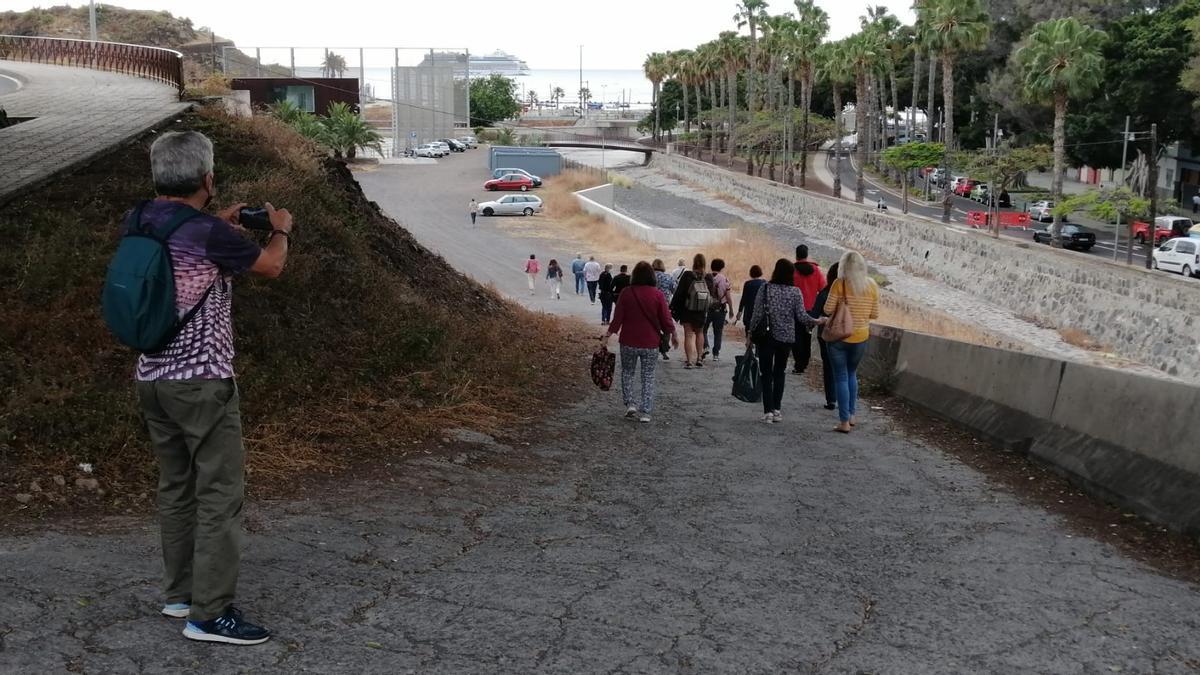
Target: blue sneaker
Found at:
x=177, y=610
x=229, y=628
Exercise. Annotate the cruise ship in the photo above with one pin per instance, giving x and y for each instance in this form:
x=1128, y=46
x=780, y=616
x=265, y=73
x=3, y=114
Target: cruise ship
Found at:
x=498, y=62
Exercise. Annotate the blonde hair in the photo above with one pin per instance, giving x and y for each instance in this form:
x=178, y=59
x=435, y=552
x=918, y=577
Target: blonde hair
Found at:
x=852, y=270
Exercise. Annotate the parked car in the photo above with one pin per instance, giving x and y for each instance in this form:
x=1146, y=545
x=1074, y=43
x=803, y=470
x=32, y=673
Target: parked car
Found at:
x=1179, y=255
x=455, y=146
x=468, y=141
x=964, y=187
x=980, y=193
x=512, y=205
x=443, y=146
x=1165, y=227
x=1073, y=237
x=427, y=150
x=511, y=181
x=1043, y=212
x=537, y=181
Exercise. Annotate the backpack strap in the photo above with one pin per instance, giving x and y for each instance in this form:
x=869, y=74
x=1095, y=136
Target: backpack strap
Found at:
x=133, y=222
x=183, y=214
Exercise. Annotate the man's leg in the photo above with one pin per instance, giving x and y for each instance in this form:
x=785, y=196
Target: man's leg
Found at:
x=592, y=291
x=207, y=411
x=176, y=495
x=718, y=326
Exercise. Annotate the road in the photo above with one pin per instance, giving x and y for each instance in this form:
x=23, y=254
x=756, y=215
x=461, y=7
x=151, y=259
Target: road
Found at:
x=1104, y=234
x=704, y=542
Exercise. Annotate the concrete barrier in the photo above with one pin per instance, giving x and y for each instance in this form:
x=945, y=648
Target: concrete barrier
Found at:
x=1123, y=436
x=599, y=201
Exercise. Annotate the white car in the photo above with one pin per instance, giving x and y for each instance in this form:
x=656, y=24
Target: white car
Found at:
x=427, y=150
x=1179, y=255
x=440, y=144
x=1043, y=212
x=512, y=205
x=468, y=141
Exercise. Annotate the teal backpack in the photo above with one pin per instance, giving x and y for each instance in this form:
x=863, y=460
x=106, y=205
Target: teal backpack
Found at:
x=138, y=301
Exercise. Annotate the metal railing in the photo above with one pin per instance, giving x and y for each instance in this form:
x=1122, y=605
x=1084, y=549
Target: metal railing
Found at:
x=153, y=63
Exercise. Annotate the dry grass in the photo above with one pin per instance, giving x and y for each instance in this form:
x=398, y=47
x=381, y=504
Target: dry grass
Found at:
x=1078, y=338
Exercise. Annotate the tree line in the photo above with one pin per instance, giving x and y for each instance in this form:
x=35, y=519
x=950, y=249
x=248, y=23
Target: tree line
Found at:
x=1042, y=72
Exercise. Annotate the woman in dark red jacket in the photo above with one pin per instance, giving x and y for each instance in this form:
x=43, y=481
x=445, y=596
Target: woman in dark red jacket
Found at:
x=641, y=318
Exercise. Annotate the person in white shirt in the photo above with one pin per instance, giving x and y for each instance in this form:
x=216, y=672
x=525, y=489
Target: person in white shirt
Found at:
x=591, y=275
x=678, y=271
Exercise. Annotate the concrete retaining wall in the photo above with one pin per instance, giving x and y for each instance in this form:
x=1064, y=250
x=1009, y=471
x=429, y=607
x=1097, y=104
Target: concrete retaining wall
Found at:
x=1125, y=437
x=1149, y=317
x=599, y=201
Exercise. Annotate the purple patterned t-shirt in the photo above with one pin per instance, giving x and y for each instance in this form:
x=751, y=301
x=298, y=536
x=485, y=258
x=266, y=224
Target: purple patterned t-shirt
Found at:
x=205, y=251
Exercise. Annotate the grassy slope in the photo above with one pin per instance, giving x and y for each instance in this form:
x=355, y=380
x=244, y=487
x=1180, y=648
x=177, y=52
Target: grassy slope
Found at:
x=368, y=339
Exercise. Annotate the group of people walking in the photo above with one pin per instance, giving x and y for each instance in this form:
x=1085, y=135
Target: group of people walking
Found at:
x=779, y=314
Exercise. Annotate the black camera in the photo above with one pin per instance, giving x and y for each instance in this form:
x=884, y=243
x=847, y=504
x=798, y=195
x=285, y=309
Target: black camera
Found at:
x=255, y=219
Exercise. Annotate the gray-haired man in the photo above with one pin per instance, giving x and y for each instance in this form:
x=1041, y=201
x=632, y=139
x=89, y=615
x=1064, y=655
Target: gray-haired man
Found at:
x=188, y=395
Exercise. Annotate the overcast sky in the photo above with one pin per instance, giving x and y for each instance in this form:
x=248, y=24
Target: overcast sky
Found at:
x=614, y=33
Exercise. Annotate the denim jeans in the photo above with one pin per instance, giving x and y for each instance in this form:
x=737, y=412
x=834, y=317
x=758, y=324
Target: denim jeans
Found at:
x=772, y=363
x=845, y=357
x=643, y=398
x=579, y=283
x=606, y=305
x=716, y=319
x=592, y=285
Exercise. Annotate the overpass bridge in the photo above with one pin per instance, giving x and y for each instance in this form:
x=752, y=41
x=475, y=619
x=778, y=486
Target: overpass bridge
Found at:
x=647, y=152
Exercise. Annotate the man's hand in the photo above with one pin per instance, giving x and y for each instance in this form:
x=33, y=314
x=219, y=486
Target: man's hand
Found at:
x=230, y=215
x=280, y=218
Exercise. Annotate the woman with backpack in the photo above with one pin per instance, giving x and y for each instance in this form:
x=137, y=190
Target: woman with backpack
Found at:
x=855, y=291
x=554, y=277
x=778, y=309
x=531, y=272
x=644, y=323
x=690, y=306
x=606, y=294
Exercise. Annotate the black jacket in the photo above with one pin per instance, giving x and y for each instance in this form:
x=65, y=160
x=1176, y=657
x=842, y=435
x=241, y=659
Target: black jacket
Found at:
x=606, y=286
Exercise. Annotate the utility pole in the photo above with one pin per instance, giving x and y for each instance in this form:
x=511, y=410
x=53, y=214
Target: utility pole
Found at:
x=1152, y=185
x=1124, y=179
x=993, y=208
x=92, y=19
x=581, y=81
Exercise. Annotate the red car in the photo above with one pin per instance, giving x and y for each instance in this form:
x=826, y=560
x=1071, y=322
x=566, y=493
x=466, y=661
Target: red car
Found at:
x=1165, y=227
x=512, y=181
x=964, y=188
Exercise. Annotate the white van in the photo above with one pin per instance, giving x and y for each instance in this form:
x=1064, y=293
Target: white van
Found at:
x=1179, y=255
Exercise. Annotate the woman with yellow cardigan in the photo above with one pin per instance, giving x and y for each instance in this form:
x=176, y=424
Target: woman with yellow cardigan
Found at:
x=861, y=296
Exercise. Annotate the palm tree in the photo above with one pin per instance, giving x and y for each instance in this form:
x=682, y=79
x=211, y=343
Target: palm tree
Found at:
x=655, y=68
x=732, y=50
x=557, y=95
x=750, y=13
x=707, y=69
x=862, y=51
x=812, y=29
x=835, y=65
x=683, y=66
x=333, y=65
x=953, y=27
x=1061, y=59
x=347, y=132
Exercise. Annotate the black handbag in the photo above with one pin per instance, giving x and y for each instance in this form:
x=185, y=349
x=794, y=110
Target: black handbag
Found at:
x=763, y=330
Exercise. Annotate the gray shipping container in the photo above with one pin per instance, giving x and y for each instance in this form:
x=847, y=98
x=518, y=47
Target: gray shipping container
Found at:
x=541, y=162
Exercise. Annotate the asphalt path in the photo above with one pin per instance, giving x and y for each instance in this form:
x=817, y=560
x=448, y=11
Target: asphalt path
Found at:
x=961, y=206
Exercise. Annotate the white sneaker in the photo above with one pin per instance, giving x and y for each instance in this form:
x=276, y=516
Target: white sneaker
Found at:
x=716, y=358
x=778, y=416
x=631, y=412
x=769, y=418
x=644, y=419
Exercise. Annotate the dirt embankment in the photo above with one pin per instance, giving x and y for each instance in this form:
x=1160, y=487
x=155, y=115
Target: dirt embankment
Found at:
x=367, y=343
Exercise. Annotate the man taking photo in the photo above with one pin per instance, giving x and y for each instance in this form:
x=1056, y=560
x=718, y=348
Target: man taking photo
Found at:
x=187, y=391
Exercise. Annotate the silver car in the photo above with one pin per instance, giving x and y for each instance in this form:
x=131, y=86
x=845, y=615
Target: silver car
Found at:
x=468, y=141
x=512, y=205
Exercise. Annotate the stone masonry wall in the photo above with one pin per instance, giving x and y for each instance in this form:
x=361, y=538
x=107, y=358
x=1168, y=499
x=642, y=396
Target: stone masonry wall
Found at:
x=1143, y=316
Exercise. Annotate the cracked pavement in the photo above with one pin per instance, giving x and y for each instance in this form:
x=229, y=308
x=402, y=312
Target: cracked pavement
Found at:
x=703, y=542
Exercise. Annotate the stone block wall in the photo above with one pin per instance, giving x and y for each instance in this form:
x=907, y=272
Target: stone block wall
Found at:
x=1149, y=317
